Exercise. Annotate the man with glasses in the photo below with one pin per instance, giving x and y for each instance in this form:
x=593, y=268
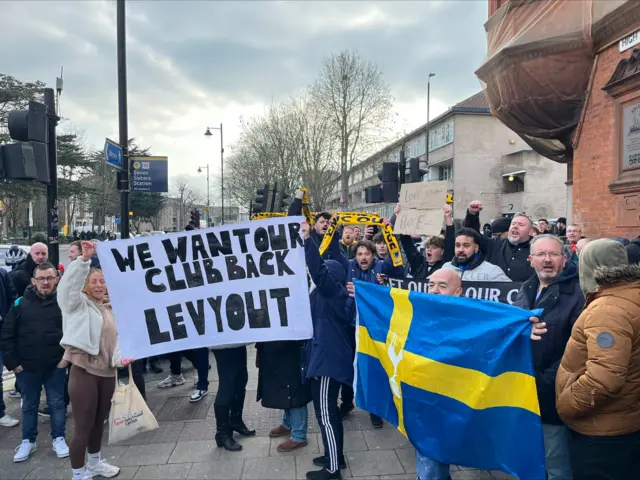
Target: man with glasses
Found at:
x=30, y=340
x=556, y=290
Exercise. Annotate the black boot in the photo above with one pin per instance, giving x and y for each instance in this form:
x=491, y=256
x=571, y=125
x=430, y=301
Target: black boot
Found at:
x=324, y=474
x=236, y=422
x=224, y=433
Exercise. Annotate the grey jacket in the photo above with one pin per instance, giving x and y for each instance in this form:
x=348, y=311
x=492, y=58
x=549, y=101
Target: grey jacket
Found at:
x=485, y=272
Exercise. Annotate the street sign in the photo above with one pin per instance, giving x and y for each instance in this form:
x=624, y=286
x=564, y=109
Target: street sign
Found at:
x=117, y=220
x=112, y=154
x=150, y=174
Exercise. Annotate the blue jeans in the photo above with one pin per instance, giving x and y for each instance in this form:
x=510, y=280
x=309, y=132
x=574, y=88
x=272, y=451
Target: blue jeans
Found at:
x=296, y=420
x=428, y=469
x=31, y=384
x=2, y=405
x=556, y=452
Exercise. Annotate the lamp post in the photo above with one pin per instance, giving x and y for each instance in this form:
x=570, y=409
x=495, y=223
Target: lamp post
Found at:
x=208, y=134
x=428, y=119
x=208, y=202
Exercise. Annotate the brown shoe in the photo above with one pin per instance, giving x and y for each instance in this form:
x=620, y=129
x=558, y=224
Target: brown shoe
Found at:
x=290, y=446
x=279, y=431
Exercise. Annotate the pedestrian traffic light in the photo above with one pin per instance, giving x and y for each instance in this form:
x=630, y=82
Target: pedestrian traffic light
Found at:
x=195, y=220
x=415, y=172
x=260, y=201
x=28, y=159
x=389, y=178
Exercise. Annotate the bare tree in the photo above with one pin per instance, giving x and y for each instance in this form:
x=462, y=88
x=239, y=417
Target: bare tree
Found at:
x=186, y=197
x=352, y=96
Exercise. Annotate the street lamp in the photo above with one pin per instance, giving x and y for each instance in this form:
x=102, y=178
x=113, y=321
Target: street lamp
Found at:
x=209, y=134
x=428, y=119
x=208, y=202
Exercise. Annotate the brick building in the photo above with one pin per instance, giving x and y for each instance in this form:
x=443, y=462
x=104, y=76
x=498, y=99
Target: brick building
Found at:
x=597, y=122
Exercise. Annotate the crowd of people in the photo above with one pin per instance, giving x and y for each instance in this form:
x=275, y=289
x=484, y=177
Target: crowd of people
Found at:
x=59, y=332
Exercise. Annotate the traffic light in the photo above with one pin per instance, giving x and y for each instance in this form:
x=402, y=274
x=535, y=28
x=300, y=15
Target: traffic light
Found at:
x=28, y=159
x=415, y=172
x=283, y=201
x=260, y=201
x=373, y=194
x=389, y=178
x=194, y=218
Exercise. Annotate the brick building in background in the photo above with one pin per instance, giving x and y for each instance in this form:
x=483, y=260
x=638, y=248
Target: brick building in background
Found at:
x=566, y=77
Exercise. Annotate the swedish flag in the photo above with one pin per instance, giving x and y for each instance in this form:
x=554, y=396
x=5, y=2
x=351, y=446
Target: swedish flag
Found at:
x=454, y=375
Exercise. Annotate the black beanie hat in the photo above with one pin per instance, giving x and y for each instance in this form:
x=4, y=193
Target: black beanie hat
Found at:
x=500, y=225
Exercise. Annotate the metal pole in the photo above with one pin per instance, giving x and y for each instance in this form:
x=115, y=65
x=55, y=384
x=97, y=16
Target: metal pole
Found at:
x=428, y=126
x=122, y=116
x=52, y=187
x=208, y=200
x=221, y=178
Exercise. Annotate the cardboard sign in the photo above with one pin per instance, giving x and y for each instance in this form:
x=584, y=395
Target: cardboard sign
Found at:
x=226, y=285
x=421, y=208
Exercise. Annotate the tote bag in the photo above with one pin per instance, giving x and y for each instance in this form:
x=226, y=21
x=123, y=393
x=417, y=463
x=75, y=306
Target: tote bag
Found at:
x=129, y=414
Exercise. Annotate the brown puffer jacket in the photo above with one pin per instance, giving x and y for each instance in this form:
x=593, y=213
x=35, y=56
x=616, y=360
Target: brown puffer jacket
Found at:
x=598, y=382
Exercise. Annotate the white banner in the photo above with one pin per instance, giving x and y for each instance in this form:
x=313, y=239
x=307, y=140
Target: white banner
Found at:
x=234, y=284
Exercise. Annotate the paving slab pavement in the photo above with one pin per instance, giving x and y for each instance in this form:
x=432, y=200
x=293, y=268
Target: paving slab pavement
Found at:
x=184, y=446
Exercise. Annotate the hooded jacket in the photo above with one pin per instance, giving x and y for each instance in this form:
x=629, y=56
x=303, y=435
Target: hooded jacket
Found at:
x=31, y=333
x=418, y=265
x=562, y=302
x=633, y=250
x=598, y=381
x=330, y=351
x=21, y=275
x=478, y=270
x=512, y=259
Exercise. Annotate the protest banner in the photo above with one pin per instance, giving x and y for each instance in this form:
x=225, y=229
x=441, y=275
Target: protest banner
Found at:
x=503, y=292
x=226, y=285
x=421, y=208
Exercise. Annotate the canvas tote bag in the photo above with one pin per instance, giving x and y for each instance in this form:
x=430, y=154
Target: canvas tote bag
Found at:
x=129, y=414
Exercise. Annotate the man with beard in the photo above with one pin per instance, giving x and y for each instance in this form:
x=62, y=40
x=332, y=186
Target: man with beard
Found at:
x=21, y=276
x=557, y=292
x=347, y=241
x=469, y=263
x=511, y=254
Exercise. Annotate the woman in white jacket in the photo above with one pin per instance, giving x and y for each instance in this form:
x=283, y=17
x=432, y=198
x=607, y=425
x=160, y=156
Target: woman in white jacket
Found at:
x=90, y=340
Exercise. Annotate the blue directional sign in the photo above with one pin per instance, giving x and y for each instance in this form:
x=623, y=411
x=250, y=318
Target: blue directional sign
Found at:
x=150, y=174
x=117, y=220
x=112, y=154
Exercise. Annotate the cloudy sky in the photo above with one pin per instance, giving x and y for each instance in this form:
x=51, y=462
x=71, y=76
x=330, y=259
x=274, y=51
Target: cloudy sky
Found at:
x=197, y=63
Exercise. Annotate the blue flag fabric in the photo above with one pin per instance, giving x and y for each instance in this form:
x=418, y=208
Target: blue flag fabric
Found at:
x=454, y=375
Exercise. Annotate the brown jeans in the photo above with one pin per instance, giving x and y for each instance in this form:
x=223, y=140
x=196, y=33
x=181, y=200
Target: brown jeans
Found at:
x=91, y=401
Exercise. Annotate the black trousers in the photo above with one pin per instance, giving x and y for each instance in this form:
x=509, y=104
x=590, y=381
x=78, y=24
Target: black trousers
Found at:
x=325, y=402
x=199, y=357
x=232, y=375
x=605, y=458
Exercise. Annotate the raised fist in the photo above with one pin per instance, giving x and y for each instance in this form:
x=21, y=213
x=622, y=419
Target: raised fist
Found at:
x=448, y=210
x=305, y=229
x=88, y=250
x=475, y=207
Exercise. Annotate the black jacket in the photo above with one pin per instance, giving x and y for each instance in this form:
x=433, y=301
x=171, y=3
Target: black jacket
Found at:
x=21, y=276
x=633, y=250
x=562, y=302
x=512, y=259
x=8, y=293
x=418, y=266
x=282, y=381
x=31, y=333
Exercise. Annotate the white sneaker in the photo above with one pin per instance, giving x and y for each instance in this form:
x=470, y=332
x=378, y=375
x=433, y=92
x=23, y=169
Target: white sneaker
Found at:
x=103, y=469
x=198, y=395
x=8, y=421
x=171, y=381
x=23, y=451
x=60, y=447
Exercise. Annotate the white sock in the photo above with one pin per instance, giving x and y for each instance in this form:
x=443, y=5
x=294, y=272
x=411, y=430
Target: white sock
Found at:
x=78, y=473
x=94, y=459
